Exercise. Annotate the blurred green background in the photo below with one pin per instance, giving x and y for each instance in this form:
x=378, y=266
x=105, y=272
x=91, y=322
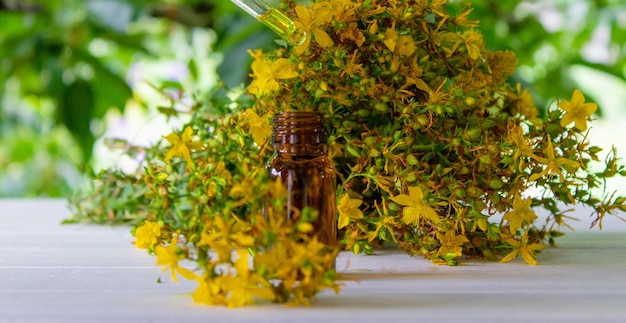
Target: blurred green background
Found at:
x=75, y=74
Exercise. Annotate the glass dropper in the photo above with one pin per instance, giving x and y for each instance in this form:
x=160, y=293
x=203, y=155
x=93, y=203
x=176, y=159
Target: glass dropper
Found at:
x=274, y=19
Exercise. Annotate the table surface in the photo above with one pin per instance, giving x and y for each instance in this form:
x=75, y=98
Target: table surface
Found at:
x=85, y=273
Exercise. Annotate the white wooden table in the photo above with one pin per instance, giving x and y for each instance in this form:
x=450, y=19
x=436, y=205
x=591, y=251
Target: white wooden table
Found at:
x=84, y=273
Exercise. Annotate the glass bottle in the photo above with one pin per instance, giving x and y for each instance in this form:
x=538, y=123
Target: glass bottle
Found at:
x=301, y=163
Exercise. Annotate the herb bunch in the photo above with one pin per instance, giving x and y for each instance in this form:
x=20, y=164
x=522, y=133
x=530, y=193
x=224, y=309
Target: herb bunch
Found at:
x=204, y=205
x=430, y=139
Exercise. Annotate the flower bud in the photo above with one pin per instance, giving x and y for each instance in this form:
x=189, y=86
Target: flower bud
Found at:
x=411, y=160
x=422, y=120
x=474, y=191
x=472, y=134
x=496, y=183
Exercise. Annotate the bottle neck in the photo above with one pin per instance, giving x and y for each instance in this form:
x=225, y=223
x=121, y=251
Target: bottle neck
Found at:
x=299, y=133
x=299, y=151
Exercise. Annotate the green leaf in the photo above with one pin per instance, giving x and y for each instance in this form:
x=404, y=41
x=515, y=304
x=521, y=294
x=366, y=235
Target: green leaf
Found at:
x=75, y=110
x=12, y=23
x=110, y=89
x=193, y=69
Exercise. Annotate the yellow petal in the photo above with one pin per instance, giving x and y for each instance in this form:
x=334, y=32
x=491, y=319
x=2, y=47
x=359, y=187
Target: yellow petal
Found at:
x=536, y=246
x=195, y=145
x=256, y=85
x=410, y=215
x=581, y=124
x=571, y=163
x=344, y=199
x=264, y=293
x=390, y=39
x=307, y=37
x=512, y=242
x=322, y=38
x=567, y=119
x=302, y=48
x=343, y=220
x=187, y=274
x=535, y=176
x=242, y=265
x=589, y=108
x=187, y=133
x=355, y=214
x=186, y=154
x=405, y=45
x=577, y=97
x=303, y=14
x=282, y=69
x=510, y=256
x=173, y=139
x=261, y=69
x=420, y=84
x=243, y=240
x=403, y=200
x=529, y=258
x=430, y=214
x=174, y=277
x=171, y=154
x=353, y=203
x=416, y=193
x=270, y=86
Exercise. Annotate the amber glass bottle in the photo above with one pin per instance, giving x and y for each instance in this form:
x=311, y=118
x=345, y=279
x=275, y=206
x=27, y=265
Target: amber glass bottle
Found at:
x=302, y=165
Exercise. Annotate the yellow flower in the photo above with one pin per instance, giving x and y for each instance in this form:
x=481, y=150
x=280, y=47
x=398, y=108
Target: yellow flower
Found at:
x=526, y=105
x=258, y=127
x=553, y=164
x=461, y=20
x=147, y=235
x=577, y=111
x=245, y=285
x=527, y=251
x=266, y=75
x=437, y=7
x=415, y=206
x=343, y=11
x=301, y=267
x=405, y=45
x=354, y=34
x=234, y=289
x=208, y=293
x=520, y=145
x=168, y=258
x=348, y=209
x=225, y=237
x=391, y=37
x=352, y=68
x=473, y=43
x=521, y=214
x=386, y=222
x=451, y=243
x=311, y=24
x=182, y=146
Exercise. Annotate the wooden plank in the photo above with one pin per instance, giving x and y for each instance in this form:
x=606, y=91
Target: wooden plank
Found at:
x=76, y=273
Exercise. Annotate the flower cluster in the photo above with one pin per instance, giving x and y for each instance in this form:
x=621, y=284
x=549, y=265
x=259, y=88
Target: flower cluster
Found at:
x=220, y=212
x=429, y=138
x=205, y=207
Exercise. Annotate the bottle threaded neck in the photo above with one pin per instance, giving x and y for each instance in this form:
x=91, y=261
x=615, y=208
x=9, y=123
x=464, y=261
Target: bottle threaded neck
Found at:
x=298, y=128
